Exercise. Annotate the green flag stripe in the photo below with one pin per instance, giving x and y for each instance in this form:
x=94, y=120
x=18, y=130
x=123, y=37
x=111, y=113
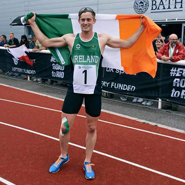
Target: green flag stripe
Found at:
x=56, y=25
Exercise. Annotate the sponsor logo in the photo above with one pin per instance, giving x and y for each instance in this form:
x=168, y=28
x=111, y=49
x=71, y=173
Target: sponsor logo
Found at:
x=93, y=47
x=78, y=46
x=141, y=6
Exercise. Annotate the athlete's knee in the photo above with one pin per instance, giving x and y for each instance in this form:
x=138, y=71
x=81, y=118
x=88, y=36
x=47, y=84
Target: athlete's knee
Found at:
x=64, y=129
x=91, y=129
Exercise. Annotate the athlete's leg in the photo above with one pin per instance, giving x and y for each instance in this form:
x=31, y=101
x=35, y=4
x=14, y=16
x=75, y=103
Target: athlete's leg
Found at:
x=91, y=124
x=71, y=106
x=93, y=109
x=64, y=138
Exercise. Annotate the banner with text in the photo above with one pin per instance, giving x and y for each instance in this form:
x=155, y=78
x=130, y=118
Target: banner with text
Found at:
x=169, y=83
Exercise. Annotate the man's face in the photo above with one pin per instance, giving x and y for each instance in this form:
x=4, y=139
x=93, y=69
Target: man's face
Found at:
x=11, y=36
x=173, y=40
x=86, y=21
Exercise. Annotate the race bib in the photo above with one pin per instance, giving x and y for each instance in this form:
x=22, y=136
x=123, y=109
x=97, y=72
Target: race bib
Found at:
x=85, y=74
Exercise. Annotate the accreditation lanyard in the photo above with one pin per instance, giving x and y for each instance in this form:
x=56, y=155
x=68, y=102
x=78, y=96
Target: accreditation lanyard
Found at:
x=171, y=50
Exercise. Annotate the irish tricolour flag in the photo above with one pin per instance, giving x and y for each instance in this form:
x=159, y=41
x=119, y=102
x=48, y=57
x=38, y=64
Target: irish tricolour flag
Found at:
x=139, y=58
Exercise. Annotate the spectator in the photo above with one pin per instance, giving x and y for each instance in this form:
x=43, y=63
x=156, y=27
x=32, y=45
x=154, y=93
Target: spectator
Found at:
x=173, y=50
x=38, y=46
x=24, y=41
x=158, y=44
x=13, y=42
x=165, y=40
x=32, y=42
x=3, y=40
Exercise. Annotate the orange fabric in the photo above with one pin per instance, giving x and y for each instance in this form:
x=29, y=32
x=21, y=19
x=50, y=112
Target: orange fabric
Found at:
x=140, y=57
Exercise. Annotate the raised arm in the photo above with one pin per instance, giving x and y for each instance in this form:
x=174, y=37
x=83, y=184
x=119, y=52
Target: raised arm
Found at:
x=45, y=41
x=119, y=43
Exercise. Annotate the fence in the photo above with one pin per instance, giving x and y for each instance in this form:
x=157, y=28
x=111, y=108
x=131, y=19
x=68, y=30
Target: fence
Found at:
x=168, y=85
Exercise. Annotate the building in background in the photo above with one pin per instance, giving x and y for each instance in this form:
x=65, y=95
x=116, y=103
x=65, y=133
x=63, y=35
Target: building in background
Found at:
x=168, y=14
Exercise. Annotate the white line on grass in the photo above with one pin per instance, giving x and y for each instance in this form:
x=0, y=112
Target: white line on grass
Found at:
x=100, y=153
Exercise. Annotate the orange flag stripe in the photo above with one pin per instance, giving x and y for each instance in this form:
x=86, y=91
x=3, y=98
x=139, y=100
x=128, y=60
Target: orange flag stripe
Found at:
x=140, y=57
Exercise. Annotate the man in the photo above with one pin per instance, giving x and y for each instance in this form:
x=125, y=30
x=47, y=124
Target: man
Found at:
x=32, y=42
x=173, y=51
x=86, y=54
x=3, y=40
x=13, y=42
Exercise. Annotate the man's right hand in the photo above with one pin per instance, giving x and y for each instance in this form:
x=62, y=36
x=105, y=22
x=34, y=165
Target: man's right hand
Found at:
x=32, y=20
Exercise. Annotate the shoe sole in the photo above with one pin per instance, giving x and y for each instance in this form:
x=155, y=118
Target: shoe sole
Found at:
x=59, y=168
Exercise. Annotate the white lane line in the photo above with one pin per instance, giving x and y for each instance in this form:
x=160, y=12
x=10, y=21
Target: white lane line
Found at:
x=32, y=92
x=6, y=182
x=107, y=122
x=100, y=153
x=109, y=112
x=30, y=105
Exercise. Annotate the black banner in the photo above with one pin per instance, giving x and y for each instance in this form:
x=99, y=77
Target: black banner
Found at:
x=169, y=83
x=141, y=84
x=172, y=83
x=44, y=66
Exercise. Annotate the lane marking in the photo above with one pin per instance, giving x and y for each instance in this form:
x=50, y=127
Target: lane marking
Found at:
x=100, y=153
x=108, y=122
x=109, y=112
x=6, y=182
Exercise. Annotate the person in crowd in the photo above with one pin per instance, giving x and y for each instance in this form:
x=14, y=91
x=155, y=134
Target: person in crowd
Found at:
x=172, y=51
x=164, y=39
x=13, y=42
x=159, y=43
x=3, y=40
x=32, y=42
x=24, y=41
x=39, y=47
x=78, y=91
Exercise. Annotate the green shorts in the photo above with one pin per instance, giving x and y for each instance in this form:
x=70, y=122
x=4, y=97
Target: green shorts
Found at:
x=73, y=103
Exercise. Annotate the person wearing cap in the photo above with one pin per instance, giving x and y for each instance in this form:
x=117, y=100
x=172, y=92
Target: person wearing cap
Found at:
x=86, y=50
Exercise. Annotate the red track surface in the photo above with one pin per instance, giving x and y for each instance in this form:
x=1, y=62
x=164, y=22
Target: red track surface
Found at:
x=26, y=157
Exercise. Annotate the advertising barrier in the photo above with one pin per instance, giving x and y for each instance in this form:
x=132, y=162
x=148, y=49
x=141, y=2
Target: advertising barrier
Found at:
x=169, y=83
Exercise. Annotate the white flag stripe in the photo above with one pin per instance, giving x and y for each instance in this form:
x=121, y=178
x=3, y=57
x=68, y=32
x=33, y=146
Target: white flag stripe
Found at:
x=60, y=56
x=104, y=24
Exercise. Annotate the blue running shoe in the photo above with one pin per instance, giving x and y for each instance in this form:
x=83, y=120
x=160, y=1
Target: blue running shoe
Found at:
x=89, y=173
x=55, y=167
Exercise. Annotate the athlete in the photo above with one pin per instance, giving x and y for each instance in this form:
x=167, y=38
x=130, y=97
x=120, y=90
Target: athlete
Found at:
x=86, y=49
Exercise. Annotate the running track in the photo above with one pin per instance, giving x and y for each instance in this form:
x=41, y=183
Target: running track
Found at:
x=127, y=152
